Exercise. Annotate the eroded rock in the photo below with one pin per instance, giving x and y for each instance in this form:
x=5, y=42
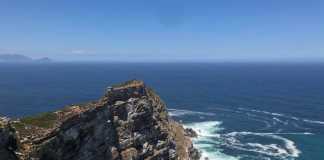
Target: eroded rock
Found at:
x=129, y=122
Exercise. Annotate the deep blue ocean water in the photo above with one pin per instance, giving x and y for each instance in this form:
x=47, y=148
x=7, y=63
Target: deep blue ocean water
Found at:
x=240, y=111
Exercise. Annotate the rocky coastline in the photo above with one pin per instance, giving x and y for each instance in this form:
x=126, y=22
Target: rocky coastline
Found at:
x=130, y=122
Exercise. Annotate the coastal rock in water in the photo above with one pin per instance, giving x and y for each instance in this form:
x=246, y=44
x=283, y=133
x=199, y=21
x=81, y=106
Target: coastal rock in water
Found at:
x=190, y=133
x=130, y=122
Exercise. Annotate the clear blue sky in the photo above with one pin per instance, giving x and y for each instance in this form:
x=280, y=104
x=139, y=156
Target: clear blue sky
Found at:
x=162, y=30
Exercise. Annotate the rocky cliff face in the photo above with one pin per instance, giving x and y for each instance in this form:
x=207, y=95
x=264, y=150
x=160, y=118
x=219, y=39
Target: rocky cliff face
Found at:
x=130, y=122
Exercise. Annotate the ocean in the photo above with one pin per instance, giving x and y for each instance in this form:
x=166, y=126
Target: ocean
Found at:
x=241, y=111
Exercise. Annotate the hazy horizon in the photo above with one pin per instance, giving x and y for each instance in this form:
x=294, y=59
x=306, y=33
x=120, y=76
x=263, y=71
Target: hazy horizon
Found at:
x=162, y=31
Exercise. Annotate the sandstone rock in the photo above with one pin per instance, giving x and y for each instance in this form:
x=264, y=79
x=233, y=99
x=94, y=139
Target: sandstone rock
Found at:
x=129, y=154
x=130, y=122
x=114, y=153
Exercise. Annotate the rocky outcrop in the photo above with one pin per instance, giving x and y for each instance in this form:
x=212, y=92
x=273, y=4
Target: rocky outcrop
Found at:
x=7, y=140
x=130, y=122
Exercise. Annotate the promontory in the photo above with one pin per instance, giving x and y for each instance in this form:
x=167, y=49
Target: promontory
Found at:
x=130, y=122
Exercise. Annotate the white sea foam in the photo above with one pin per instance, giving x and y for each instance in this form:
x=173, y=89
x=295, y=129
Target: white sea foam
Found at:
x=209, y=137
x=264, y=112
x=312, y=121
x=268, y=149
x=266, y=123
x=211, y=140
x=289, y=150
x=181, y=112
x=283, y=115
x=206, y=129
x=299, y=127
x=269, y=133
x=280, y=121
x=207, y=133
x=260, y=119
x=205, y=143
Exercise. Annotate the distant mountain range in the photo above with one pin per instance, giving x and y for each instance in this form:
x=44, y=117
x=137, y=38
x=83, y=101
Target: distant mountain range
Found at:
x=21, y=58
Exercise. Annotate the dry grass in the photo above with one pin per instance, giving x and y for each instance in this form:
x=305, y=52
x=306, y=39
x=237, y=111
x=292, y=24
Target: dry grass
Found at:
x=43, y=120
x=182, y=142
x=128, y=84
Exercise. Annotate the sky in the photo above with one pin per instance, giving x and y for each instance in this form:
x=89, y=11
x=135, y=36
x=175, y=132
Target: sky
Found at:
x=164, y=30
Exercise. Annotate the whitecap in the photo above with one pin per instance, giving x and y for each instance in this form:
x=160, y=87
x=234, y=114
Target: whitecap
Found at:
x=181, y=112
x=280, y=121
x=282, y=115
x=312, y=121
x=260, y=111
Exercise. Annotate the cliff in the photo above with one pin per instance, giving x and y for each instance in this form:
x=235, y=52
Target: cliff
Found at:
x=130, y=122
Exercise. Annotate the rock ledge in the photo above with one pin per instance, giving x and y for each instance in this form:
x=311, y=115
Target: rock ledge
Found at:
x=130, y=122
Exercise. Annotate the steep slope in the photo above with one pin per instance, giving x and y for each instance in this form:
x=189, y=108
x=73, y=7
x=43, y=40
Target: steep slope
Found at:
x=129, y=122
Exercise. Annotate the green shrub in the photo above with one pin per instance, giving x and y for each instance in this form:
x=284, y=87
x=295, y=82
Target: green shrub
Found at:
x=44, y=120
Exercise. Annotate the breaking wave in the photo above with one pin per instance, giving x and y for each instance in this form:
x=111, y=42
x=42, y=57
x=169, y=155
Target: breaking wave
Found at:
x=210, y=142
x=207, y=131
x=216, y=143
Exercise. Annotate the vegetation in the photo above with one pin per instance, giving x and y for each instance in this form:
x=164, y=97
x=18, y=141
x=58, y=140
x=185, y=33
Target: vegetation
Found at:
x=44, y=120
x=1, y=125
x=128, y=83
x=20, y=127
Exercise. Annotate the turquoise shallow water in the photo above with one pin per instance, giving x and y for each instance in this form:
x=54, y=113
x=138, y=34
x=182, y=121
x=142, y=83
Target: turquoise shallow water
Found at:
x=241, y=111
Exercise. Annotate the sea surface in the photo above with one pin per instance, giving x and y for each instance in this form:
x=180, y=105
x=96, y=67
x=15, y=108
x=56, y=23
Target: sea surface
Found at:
x=241, y=111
